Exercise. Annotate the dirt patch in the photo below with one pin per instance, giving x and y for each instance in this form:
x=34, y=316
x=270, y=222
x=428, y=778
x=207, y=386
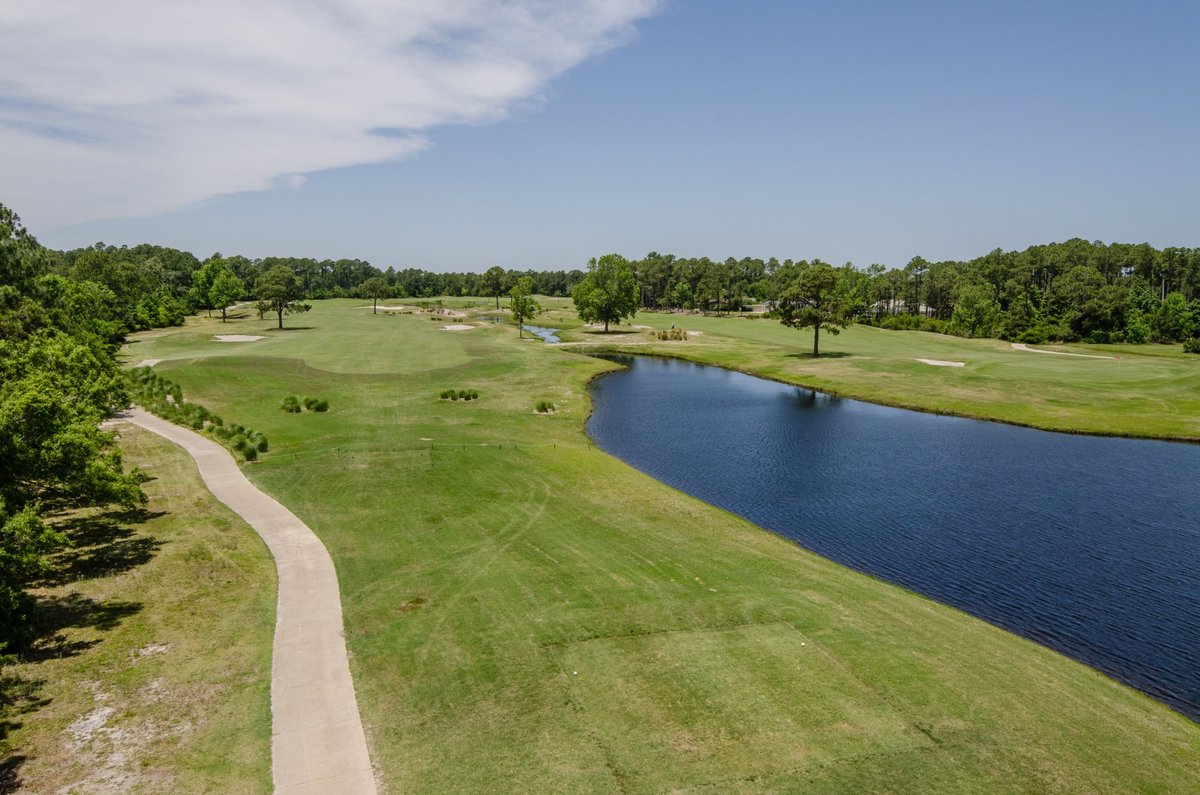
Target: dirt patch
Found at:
x=942, y=363
x=237, y=338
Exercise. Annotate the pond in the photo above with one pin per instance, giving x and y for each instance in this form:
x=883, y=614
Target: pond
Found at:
x=1088, y=545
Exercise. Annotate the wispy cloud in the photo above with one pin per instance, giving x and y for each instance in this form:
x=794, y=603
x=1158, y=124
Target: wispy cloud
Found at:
x=134, y=107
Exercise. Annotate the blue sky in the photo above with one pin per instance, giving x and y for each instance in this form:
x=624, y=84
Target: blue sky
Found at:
x=868, y=132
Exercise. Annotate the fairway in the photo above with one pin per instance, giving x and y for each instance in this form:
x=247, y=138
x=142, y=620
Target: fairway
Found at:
x=525, y=613
x=1149, y=391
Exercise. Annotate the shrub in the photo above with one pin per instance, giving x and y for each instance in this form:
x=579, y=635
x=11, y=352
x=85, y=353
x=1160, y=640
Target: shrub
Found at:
x=1192, y=345
x=545, y=407
x=1033, y=335
x=672, y=334
x=321, y=406
x=290, y=404
x=250, y=453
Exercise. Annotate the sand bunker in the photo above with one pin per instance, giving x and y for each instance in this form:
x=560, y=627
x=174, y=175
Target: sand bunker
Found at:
x=147, y=362
x=237, y=338
x=390, y=308
x=457, y=327
x=1020, y=346
x=942, y=363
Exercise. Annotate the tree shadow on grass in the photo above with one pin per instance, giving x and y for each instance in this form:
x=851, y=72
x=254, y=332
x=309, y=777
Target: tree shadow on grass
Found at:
x=615, y=330
x=100, y=545
x=830, y=355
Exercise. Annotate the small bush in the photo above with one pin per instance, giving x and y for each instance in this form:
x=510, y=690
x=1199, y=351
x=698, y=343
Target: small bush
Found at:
x=447, y=393
x=250, y=453
x=672, y=334
x=290, y=404
x=453, y=395
x=545, y=407
x=321, y=406
x=1192, y=345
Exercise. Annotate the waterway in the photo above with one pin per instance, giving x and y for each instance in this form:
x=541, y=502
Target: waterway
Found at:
x=1089, y=545
x=549, y=335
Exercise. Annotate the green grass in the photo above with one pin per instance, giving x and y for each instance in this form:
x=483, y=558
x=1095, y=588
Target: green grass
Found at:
x=152, y=673
x=526, y=613
x=1153, y=390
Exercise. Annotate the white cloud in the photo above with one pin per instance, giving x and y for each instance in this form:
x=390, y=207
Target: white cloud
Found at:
x=134, y=107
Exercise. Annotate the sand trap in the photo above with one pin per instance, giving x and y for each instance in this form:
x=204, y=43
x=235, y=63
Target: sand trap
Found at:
x=942, y=363
x=695, y=333
x=147, y=362
x=457, y=327
x=390, y=308
x=1020, y=346
x=237, y=338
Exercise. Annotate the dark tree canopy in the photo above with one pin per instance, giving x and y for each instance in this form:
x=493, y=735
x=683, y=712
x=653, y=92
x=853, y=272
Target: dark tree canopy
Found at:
x=813, y=301
x=281, y=289
x=608, y=292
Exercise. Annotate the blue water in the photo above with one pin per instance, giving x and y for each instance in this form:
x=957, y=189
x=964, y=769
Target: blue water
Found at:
x=1088, y=545
x=548, y=334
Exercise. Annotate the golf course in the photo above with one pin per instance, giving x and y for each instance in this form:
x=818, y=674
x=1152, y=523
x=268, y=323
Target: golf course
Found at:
x=526, y=613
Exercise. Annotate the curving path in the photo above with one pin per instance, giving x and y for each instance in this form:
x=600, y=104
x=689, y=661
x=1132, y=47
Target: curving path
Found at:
x=1020, y=346
x=317, y=740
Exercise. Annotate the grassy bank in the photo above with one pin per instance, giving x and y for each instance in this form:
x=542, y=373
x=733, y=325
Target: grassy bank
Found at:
x=526, y=613
x=1151, y=391
x=152, y=671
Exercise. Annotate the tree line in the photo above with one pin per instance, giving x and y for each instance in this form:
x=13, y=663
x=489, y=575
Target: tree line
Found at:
x=1072, y=291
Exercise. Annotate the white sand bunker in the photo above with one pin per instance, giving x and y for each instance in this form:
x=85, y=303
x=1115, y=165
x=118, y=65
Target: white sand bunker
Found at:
x=147, y=362
x=942, y=363
x=390, y=308
x=458, y=327
x=695, y=333
x=237, y=338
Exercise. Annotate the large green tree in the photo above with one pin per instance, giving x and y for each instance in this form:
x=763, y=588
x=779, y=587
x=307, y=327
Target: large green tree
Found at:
x=281, y=290
x=226, y=288
x=58, y=380
x=374, y=288
x=608, y=292
x=523, y=305
x=492, y=282
x=813, y=301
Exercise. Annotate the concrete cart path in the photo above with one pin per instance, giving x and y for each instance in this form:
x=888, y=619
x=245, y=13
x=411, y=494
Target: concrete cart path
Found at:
x=317, y=740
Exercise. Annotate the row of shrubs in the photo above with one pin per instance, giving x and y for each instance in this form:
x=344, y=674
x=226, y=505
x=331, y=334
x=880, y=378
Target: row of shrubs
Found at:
x=292, y=405
x=672, y=334
x=164, y=398
x=1192, y=345
x=460, y=394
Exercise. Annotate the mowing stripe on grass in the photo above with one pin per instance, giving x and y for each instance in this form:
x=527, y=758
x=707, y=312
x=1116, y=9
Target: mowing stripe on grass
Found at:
x=317, y=740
